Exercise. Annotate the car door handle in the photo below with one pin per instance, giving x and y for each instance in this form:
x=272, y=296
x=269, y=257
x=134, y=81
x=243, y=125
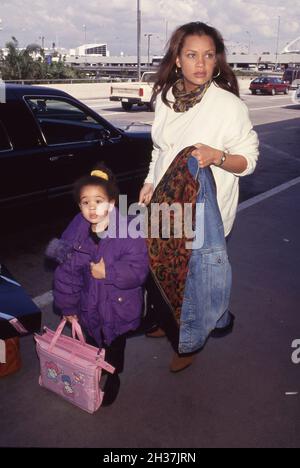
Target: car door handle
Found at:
x=61, y=156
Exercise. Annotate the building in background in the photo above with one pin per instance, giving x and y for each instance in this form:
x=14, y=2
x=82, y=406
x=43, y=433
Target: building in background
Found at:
x=96, y=50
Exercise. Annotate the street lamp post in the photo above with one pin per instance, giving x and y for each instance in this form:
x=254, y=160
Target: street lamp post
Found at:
x=249, y=41
x=138, y=41
x=42, y=38
x=149, y=38
x=84, y=28
x=277, y=42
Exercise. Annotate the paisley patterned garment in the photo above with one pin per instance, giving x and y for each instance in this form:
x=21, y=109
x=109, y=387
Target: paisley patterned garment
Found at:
x=169, y=257
x=185, y=100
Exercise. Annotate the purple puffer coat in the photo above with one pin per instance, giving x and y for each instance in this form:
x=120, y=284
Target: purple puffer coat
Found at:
x=106, y=308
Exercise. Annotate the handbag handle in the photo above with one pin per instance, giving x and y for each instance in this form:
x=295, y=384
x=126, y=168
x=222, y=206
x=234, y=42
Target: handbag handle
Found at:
x=57, y=333
x=76, y=330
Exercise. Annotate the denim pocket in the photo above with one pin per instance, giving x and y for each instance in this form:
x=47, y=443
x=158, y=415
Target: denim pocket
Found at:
x=215, y=258
x=216, y=272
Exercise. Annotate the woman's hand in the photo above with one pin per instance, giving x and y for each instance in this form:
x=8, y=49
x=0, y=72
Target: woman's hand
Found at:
x=98, y=269
x=70, y=318
x=207, y=155
x=146, y=194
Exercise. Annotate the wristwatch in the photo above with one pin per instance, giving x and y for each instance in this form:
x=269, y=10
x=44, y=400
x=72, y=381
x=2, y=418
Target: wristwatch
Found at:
x=223, y=159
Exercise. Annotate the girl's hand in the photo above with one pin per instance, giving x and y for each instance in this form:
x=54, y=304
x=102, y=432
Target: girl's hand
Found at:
x=70, y=318
x=207, y=155
x=98, y=269
x=146, y=194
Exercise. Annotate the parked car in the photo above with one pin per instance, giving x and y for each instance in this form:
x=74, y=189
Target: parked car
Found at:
x=139, y=93
x=48, y=139
x=268, y=85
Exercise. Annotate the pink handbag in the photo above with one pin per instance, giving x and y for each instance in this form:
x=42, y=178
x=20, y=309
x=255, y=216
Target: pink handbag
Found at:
x=70, y=367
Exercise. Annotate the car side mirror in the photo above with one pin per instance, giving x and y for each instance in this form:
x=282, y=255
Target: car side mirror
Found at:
x=105, y=134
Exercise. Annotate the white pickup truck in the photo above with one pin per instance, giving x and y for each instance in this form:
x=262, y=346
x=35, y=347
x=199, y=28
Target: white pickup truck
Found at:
x=139, y=92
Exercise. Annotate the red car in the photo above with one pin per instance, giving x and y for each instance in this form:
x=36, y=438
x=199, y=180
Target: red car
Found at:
x=268, y=85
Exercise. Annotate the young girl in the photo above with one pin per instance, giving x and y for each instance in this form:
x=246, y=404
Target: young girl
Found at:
x=99, y=280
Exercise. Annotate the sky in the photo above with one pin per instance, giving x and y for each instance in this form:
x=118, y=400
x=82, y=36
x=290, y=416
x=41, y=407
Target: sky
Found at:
x=65, y=22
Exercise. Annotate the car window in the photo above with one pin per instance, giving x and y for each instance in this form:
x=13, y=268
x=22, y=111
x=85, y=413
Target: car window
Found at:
x=4, y=141
x=20, y=125
x=149, y=77
x=261, y=79
x=62, y=122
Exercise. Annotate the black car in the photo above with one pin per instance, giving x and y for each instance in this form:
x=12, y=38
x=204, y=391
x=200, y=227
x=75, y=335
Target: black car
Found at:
x=48, y=139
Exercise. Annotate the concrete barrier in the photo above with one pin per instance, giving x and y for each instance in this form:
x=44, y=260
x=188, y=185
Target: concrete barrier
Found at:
x=86, y=91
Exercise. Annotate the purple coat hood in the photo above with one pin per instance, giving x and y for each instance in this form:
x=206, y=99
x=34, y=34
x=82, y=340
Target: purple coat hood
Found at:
x=106, y=308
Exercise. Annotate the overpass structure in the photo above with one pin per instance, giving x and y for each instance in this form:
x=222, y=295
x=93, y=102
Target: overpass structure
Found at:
x=284, y=58
x=126, y=66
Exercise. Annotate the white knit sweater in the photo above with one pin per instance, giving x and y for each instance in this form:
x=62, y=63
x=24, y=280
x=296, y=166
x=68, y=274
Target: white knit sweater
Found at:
x=221, y=120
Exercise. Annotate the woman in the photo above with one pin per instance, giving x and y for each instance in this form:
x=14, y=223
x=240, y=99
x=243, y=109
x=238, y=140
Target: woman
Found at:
x=198, y=104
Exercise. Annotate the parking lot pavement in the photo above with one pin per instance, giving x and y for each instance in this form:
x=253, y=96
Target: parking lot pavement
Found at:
x=242, y=390
x=262, y=108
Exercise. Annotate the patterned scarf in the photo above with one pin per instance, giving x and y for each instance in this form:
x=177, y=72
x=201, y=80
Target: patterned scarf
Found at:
x=169, y=257
x=185, y=100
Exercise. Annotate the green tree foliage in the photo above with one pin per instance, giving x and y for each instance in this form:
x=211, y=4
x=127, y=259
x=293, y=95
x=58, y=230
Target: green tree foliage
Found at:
x=30, y=64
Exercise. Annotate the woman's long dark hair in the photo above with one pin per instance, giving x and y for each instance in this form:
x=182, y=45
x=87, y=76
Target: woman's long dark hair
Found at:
x=166, y=75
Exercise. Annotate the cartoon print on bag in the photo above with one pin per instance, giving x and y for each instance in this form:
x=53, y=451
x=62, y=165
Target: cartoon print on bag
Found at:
x=53, y=371
x=78, y=378
x=68, y=389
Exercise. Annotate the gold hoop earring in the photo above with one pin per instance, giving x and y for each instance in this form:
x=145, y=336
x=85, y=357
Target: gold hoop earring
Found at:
x=217, y=74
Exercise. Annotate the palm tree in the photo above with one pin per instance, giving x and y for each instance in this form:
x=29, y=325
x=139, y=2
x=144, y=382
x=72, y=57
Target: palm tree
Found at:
x=30, y=64
x=12, y=66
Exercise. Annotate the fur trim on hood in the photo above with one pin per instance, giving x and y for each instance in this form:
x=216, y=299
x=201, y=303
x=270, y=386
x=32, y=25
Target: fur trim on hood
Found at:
x=58, y=250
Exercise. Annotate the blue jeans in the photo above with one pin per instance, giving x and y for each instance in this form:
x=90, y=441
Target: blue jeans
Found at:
x=208, y=283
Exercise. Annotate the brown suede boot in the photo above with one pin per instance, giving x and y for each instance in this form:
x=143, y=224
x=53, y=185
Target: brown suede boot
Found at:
x=180, y=362
x=158, y=333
